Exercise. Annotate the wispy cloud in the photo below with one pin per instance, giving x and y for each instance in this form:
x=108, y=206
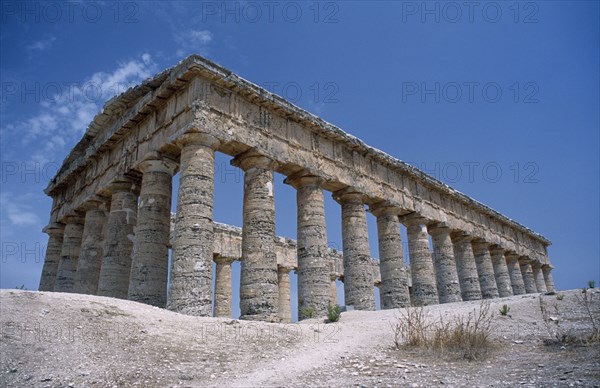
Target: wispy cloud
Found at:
x=18, y=213
x=192, y=41
x=62, y=118
x=41, y=45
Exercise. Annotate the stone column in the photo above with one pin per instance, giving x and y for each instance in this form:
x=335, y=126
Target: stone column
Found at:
x=501, y=271
x=514, y=271
x=394, y=277
x=448, y=285
x=118, y=242
x=55, y=232
x=547, y=272
x=283, y=282
x=466, y=267
x=424, y=290
x=90, y=258
x=223, y=286
x=358, y=275
x=313, y=252
x=538, y=275
x=259, y=292
x=190, y=289
x=150, y=263
x=527, y=273
x=485, y=269
x=71, y=247
x=333, y=290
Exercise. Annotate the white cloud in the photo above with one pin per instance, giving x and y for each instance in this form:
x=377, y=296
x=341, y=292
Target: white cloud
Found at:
x=41, y=45
x=63, y=117
x=19, y=214
x=192, y=41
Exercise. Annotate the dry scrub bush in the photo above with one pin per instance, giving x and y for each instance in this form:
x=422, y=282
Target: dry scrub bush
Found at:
x=466, y=337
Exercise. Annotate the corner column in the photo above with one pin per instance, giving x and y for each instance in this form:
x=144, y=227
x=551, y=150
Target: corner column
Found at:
x=358, y=275
x=283, y=283
x=223, y=286
x=393, y=290
x=190, y=288
x=547, y=271
x=55, y=232
x=514, y=271
x=333, y=290
x=538, y=275
x=448, y=285
x=424, y=289
x=118, y=246
x=466, y=267
x=485, y=270
x=501, y=272
x=313, y=252
x=527, y=273
x=90, y=258
x=150, y=263
x=71, y=247
x=259, y=291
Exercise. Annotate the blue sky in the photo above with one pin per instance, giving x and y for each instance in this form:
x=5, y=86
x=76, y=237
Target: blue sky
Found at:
x=498, y=99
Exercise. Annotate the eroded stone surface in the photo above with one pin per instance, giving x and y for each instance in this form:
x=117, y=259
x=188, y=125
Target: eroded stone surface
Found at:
x=444, y=263
x=424, y=289
x=466, y=267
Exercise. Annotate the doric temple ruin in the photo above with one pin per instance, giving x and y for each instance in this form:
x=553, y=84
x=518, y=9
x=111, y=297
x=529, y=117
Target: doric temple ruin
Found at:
x=110, y=224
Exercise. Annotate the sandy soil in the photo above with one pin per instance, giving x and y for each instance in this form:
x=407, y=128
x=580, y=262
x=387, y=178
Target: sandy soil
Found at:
x=70, y=340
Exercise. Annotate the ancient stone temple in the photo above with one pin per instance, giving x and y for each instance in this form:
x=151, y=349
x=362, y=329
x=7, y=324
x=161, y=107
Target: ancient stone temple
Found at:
x=111, y=226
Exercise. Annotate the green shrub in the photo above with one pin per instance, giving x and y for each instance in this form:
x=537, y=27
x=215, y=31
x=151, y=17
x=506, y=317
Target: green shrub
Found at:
x=591, y=283
x=504, y=310
x=333, y=312
x=560, y=297
x=307, y=312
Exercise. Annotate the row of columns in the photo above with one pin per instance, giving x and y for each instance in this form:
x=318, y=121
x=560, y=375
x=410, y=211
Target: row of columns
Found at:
x=133, y=260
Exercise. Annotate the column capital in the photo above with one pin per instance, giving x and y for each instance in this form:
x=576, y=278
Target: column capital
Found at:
x=122, y=184
x=414, y=219
x=303, y=178
x=197, y=138
x=94, y=202
x=385, y=208
x=253, y=158
x=223, y=259
x=54, y=229
x=349, y=195
x=75, y=217
x=480, y=243
x=496, y=249
x=439, y=227
x=155, y=162
x=460, y=236
x=284, y=268
x=525, y=260
x=510, y=255
x=547, y=266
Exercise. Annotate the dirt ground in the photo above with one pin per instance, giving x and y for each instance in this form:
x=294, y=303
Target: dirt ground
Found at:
x=70, y=340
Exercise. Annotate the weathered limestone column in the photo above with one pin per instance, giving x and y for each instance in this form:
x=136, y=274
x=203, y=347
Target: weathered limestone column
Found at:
x=150, y=263
x=90, y=258
x=538, y=275
x=55, y=232
x=501, y=271
x=448, y=285
x=71, y=247
x=313, y=252
x=514, y=271
x=358, y=276
x=223, y=286
x=118, y=242
x=394, y=277
x=333, y=290
x=424, y=290
x=466, y=267
x=259, y=291
x=190, y=289
x=485, y=269
x=527, y=273
x=547, y=272
x=283, y=283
